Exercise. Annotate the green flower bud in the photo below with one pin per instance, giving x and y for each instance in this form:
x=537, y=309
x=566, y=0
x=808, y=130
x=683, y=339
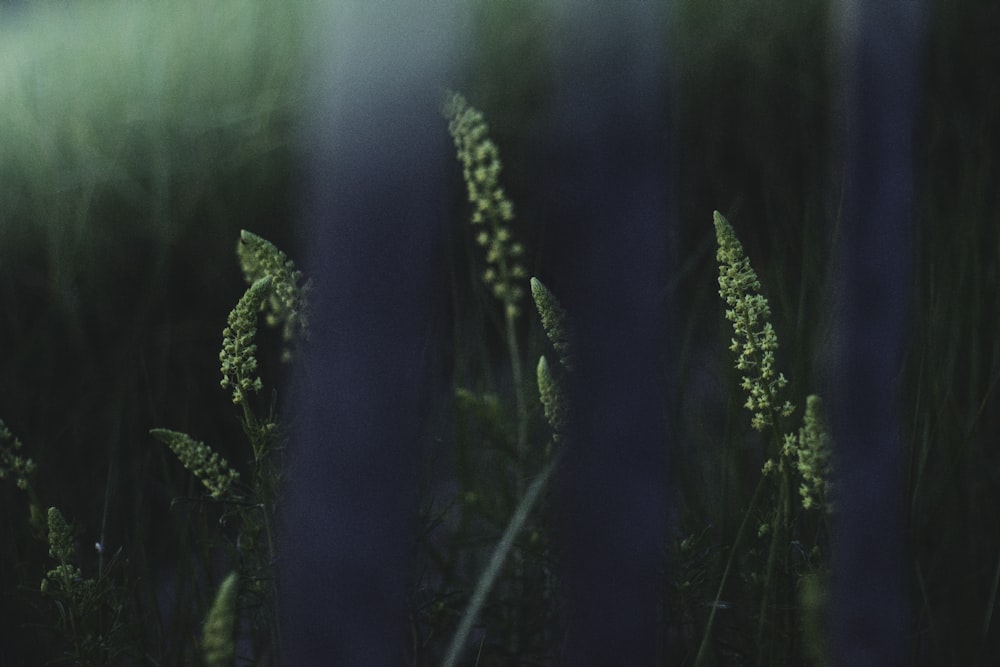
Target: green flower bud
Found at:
x=287, y=302
x=554, y=321
x=218, y=648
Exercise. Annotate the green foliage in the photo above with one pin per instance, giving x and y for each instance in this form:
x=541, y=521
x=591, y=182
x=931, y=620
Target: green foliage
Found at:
x=274, y=284
x=495, y=510
x=147, y=125
x=88, y=610
x=133, y=118
x=754, y=344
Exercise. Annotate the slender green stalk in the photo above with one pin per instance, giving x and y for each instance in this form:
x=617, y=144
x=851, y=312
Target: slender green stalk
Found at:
x=756, y=343
x=991, y=605
x=779, y=535
x=489, y=576
x=707, y=635
x=492, y=215
x=520, y=401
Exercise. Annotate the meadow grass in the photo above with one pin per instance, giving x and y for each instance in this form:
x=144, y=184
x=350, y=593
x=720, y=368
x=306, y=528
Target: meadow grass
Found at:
x=115, y=292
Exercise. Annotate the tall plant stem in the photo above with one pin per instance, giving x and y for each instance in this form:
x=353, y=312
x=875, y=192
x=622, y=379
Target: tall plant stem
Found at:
x=703, y=648
x=489, y=576
x=779, y=537
x=520, y=402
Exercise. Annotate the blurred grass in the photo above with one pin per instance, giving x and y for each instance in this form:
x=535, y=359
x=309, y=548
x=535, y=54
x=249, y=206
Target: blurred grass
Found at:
x=137, y=138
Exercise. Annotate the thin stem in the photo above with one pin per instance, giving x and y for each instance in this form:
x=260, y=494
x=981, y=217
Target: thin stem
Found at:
x=492, y=571
x=520, y=402
x=703, y=649
x=522, y=446
x=779, y=536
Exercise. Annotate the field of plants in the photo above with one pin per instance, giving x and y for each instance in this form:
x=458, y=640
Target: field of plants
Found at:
x=150, y=250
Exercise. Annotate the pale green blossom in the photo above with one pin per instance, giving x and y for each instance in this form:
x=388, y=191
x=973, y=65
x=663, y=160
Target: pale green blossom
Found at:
x=555, y=321
x=66, y=578
x=287, y=303
x=218, y=648
x=815, y=449
x=553, y=400
x=238, y=363
x=492, y=209
x=211, y=469
x=754, y=336
x=11, y=463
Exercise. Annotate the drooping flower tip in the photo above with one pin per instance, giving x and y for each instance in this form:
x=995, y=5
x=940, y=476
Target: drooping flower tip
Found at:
x=287, y=304
x=236, y=360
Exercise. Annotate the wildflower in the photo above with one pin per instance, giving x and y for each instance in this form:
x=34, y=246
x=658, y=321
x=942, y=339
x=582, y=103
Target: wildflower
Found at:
x=287, y=304
x=60, y=537
x=481, y=168
x=815, y=447
x=205, y=464
x=11, y=463
x=553, y=399
x=218, y=647
x=755, y=339
x=237, y=356
x=554, y=321
x=65, y=577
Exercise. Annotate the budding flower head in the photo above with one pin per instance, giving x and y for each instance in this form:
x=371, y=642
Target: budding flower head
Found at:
x=218, y=647
x=754, y=336
x=287, y=304
x=492, y=209
x=238, y=363
x=11, y=463
x=554, y=321
x=815, y=449
x=66, y=577
x=60, y=537
x=211, y=469
x=553, y=399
